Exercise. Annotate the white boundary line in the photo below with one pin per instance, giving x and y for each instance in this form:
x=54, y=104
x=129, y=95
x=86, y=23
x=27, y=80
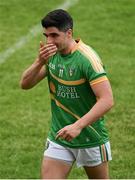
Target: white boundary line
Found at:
x=32, y=33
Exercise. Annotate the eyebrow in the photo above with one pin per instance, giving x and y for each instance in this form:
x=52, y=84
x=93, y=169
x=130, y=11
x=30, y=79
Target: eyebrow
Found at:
x=50, y=34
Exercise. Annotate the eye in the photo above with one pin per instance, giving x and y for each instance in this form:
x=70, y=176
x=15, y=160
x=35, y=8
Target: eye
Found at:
x=54, y=35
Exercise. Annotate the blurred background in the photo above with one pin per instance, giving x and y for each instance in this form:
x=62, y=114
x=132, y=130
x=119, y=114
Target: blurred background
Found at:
x=107, y=26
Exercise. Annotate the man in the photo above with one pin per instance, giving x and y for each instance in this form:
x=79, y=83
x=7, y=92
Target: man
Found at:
x=80, y=96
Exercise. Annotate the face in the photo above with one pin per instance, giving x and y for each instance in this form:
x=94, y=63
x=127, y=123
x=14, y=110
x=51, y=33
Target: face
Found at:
x=59, y=38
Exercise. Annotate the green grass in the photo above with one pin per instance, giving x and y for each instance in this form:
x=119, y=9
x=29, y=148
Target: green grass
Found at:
x=108, y=26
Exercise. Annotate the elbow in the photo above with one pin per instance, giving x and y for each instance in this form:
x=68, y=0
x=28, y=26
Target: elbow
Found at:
x=110, y=103
x=23, y=85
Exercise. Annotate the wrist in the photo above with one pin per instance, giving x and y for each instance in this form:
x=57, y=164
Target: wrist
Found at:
x=79, y=124
x=40, y=62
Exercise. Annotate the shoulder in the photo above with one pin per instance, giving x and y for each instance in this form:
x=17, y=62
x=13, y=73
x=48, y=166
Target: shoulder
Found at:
x=90, y=57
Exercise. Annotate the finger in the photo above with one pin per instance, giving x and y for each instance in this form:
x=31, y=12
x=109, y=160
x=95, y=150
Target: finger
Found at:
x=47, y=52
x=61, y=130
x=57, y=136
x=47, y=48
x=48, y=45
x=51, y=48
x=60, y=133
x=52, y=54
x=41, y=44
x=69, y=139
x=65, y=136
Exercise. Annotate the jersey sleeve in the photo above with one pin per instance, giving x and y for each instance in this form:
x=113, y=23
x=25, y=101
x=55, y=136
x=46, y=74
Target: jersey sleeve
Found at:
x=94, y=71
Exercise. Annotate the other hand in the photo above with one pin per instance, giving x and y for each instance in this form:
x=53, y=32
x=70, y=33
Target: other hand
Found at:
x=69, y=132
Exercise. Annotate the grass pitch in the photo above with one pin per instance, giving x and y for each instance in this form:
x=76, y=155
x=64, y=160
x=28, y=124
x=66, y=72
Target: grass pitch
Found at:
x=108, y=26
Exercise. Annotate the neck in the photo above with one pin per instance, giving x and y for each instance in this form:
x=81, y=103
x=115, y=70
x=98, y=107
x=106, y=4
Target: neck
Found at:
x=69, y=47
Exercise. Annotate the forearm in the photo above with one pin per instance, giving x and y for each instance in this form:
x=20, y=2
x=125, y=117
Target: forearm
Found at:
x=98, y=110
x=32, y=75
x=104, y=103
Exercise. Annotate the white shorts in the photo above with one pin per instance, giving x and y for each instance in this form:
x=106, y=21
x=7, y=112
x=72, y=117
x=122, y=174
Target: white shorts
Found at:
x=84, y=157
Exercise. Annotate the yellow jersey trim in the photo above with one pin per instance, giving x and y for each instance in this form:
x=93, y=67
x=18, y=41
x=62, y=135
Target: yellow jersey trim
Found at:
x=94, y=59
x=76, y=82
x=98, y=80
x=63, y=107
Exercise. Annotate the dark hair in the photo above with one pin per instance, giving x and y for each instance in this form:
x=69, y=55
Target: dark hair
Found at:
x=58, y=18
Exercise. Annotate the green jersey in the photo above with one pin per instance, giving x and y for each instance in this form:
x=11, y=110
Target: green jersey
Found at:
x=70, y=78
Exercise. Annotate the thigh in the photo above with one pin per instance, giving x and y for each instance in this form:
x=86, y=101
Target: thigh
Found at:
x=56, y=151
x=54, y=169
x=57, y=161
x=98, y=172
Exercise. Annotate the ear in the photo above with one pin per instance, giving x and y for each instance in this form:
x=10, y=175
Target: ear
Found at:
x=70, y=33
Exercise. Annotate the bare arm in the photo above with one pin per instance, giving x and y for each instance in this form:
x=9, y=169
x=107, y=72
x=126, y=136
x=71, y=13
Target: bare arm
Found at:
x=104, y=103
x=37, y=71
x=31, y=76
